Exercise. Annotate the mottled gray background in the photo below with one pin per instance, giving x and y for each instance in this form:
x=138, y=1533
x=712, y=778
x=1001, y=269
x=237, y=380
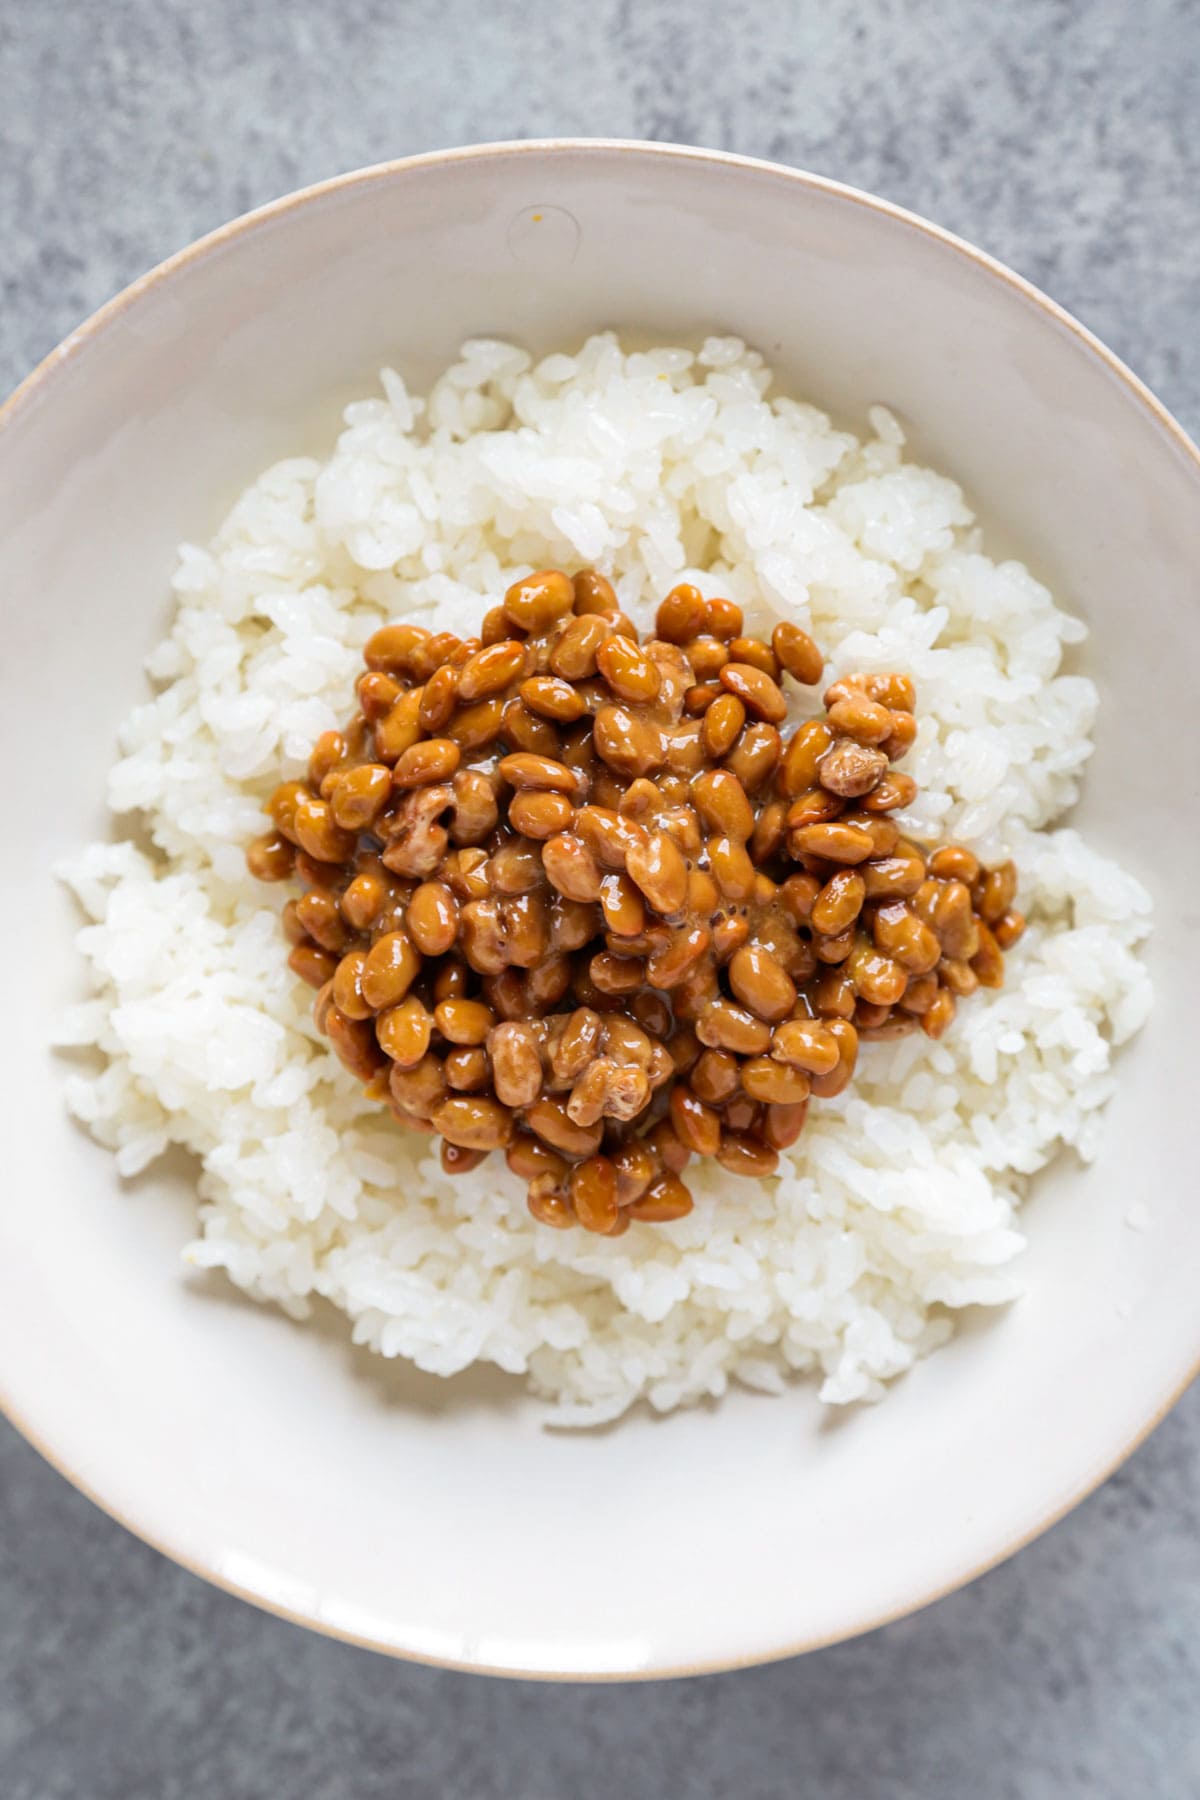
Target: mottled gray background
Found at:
x=1060, y=134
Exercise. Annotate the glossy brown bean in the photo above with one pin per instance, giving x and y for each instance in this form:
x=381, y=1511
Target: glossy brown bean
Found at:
x=728, y=936
x=670, y=1151
x=798, y=895
x=878, y=979
x=434, y=759
x=316, y=831
x=861, y=719
x=725, y=1026
x=939, y=1015
x=594, y=593
x=548, y=1205
x=759, y=655
x=270, y=857
x=801, y=759
x=833, y=995
x=797, y=653
x=477, y=725
x=522, y=729
x=312, y=964
x=761, y=983
x=465, y=873
x=400, y=727
x=708, y=656
x=491, y=670
x=770, y=830
x=673, y=962
x=593, y=1192
x=527, y=1156
x=682, y=615
x=552, y=698
x=900, y=934
x=695, y=1124
x=723, y=618
x=715, y=1077
x=997, y=891
x=391, y=967
x=431, y=918
x=549, y=1119
x=721, y=801
x=825, y=1087
x=628, y=671
x=438, y=699
x=363, y=900
x=834, y=841
x=894, y=791
x=354, y=1043
x=1008, y=929
x=731, y=868
x=724, y=717
x=318, y=912
x=655, y=864
x=347, y=994
x=358, y=796
x=515, y=867
x=622, y=904
x=540, y=813
x=664, y=1201
x=457, y=1161
x=525, y=770
x=774, y=1083
x=576, y=1045
x=573, y=657
x=571, y=867
x=762, y=697
x=805, y=1044
x=901, y=738
x=628, y=741
x=892, y=877
x=747, y=1156
x=463, y=1021
x=377, y=694
x=475, y=810
x=467, y=1069
x=839, y=902
x=920, y=993
x=782, y=1125
x=954, y=921
x=473, y=1121
x=537, y=600
x=392, y=647
x=636, y=1167
x=988, y=960
x=404, y=1032
x=418, y=1090
x=755, y=755
x=953, y=863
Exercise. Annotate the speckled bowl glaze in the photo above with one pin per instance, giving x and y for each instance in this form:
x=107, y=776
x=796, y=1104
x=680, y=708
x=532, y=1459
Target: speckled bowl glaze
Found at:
x=441, y=1521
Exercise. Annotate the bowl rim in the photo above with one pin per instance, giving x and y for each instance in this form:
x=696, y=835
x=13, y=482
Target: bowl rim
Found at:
x=31, y=390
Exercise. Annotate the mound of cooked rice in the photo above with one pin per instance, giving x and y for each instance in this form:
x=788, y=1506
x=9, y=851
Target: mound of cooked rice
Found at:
x=900, y=1200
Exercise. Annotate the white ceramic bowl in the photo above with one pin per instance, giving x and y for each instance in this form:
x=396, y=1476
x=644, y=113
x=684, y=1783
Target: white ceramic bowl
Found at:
x=438, y=1521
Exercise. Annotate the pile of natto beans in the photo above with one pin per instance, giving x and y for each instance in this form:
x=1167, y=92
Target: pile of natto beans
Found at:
x=583, y=900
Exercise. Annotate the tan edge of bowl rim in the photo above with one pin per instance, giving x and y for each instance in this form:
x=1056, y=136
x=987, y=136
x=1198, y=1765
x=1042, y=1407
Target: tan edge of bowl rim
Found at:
x=215, y=241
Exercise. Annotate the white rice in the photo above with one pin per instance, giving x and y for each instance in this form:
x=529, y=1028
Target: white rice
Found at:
x=900, y=1200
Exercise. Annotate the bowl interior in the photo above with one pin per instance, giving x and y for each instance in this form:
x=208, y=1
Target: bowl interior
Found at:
x=440, y=1520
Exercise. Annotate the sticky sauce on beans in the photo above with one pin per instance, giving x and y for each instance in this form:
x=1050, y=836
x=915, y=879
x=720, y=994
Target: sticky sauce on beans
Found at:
x=593, y=902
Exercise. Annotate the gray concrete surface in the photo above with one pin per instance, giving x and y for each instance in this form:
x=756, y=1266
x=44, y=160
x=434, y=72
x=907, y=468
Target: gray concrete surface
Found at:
x=1060, y=134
